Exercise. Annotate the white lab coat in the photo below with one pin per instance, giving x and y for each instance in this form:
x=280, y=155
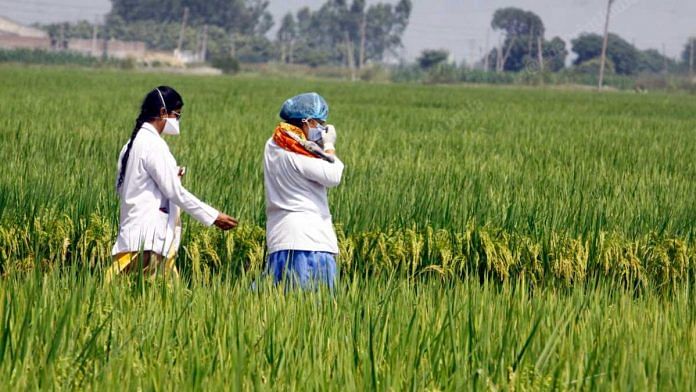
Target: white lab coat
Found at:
x=150, y=197
x=297, y=207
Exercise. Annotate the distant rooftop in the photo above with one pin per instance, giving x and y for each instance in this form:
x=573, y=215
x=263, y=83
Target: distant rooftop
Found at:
x=12, y=28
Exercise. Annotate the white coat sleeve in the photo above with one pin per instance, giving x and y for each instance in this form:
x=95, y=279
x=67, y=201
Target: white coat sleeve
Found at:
x=161, y=166
x=318, y=170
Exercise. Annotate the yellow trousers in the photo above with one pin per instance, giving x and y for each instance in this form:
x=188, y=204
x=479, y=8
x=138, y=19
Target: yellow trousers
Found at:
x=152, y=265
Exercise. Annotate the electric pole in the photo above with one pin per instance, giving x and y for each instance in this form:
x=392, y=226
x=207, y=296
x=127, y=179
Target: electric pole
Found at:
x=183, y=28
x=363, y=40
x=61, y=42
x=204, y=44
x=485, y=53
x=691, y=58
x=664, y=56
x=604, y=45
x=349, y=56
x=94, y=38
x=540, y=54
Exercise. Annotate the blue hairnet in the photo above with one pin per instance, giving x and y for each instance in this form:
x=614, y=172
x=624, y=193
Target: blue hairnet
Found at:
x=305, y=106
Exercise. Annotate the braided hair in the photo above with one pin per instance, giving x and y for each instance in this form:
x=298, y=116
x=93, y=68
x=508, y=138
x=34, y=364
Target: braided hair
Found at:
x=161, y=97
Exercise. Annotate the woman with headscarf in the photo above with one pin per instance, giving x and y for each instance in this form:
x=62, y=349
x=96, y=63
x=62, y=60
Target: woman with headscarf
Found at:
x=300, y=164
x=150, y=192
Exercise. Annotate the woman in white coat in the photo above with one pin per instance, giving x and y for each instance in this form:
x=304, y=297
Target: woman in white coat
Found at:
x=300, y=164
x=150, y=192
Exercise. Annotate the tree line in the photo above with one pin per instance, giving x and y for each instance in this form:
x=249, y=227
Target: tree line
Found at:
x=525, y=47
x=352, y=34
x=337, y=33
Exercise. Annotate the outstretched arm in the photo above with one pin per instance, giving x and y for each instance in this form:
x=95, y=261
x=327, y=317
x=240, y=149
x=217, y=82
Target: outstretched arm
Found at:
x=163, y=169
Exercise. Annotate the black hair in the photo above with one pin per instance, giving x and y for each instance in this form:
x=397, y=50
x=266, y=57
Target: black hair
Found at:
x=295, y=122
x=161, y=97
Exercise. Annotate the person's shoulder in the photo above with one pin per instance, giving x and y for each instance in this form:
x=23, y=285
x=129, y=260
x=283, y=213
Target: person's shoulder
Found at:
x=273, y=149
x=151, y=140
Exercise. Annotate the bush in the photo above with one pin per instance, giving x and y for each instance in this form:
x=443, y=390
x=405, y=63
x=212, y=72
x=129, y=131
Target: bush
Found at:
x=591, y=67
x=374, y=73
x=480, y=76
x=45, y=57
x=227, y=64
x=407, y=74
x=443, y=73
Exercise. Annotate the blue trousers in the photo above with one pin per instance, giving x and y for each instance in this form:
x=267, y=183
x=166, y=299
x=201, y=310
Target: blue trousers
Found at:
x=304, y=269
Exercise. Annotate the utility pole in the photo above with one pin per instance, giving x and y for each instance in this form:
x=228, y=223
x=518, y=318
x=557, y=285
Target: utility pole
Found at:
x=664, y=56
x=363, y=40
x=204, y=44
x=183, y=28
x=233, y=45
x=61, y=39
x=472, y=53
x=94, y=37
x=486, y=54
x=199, y=41
x=540, y=54
x=604, y=45
x=499, y=58
x=691, y=58
x=349, y=56
x=291, y=58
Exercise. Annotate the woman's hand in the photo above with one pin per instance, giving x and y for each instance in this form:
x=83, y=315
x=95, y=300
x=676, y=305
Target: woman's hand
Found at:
x=225, y=222
x=329, y=139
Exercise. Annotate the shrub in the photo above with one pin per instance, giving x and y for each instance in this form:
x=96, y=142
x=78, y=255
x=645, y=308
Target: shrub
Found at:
x=227, y=64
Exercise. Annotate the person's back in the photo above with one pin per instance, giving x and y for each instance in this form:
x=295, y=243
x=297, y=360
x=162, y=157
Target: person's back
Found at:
x=297, y=207
x=299, y=166
x=140, y=210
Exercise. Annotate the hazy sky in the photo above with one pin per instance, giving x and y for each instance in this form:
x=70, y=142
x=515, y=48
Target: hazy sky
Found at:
x=460, y=26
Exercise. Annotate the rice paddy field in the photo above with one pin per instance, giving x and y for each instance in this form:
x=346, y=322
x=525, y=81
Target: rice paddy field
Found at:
x=491, y=239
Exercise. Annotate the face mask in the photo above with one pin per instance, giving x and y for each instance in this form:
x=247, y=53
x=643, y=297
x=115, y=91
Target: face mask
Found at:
x=314, y=133
x=171, y=127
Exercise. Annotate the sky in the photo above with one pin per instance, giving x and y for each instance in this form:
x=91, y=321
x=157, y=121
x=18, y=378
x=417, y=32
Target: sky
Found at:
x=460, y=26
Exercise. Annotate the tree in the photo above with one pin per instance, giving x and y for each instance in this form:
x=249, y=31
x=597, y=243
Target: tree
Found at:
x=81, y=29
x=350, y=34
x=624, y=55
x=286, y=36
x=522, y=30
x=430, y=58
x=652, y=61
x=555, y=54
x=246, y=17
x=385, y=27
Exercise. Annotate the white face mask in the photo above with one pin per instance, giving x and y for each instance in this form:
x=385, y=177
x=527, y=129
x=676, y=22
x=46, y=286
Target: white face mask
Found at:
x=171, y=127
x=314, y=133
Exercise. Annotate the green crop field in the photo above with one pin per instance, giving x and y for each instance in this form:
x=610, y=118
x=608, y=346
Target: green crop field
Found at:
x=491, y=238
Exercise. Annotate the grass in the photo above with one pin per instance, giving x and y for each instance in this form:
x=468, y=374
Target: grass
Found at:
x=491, y=238
x=65, y=330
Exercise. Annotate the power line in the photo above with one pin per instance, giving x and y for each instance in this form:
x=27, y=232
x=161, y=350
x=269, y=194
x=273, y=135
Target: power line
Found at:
x=44, y=4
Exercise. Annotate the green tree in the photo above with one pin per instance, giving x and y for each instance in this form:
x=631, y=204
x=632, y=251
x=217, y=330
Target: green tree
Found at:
x=349, y=33
x=247, y=17
x=286, y=37
x=652, y=61
x=555, y=54
x=522, y=30
x=626, y=57
x=431, y=58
